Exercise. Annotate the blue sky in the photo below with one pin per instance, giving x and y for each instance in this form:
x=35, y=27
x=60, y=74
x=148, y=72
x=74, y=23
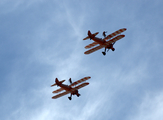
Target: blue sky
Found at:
x=41, y=40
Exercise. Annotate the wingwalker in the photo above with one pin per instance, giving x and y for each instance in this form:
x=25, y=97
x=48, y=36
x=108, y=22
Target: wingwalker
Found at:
x=69, y=88
x=106, y=42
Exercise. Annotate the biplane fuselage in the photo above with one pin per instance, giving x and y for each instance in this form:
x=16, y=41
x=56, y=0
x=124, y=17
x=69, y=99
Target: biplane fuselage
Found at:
x=69, y=88
x=66, y=87
x=96, y=39
x=99, y=40
x=103, y=43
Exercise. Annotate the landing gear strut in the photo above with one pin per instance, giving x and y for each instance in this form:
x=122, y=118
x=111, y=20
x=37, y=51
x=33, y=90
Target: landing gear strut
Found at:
x=104, y=53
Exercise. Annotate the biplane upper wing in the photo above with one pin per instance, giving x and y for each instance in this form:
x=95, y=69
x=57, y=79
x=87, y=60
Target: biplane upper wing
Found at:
x=91, y=45
x=115, y=33
x=80, y=86
x=58, y=90
x=79, y=81
x=94, y=49
x=92, y=34
x=114, y=39
x=61, y=94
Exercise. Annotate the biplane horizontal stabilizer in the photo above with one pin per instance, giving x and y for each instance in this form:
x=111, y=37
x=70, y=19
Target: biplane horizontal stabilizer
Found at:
x=56, y=84
x=89, y=37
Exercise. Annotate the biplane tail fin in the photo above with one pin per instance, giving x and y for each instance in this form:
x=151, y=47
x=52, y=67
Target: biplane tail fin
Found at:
x=90, y=35
x=57, y=82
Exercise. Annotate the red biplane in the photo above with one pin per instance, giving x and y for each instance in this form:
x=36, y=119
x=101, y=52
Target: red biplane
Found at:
x=69, y=88
x=103, y=42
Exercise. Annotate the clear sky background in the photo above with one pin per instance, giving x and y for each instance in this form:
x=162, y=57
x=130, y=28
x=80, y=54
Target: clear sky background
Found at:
x=43, y=39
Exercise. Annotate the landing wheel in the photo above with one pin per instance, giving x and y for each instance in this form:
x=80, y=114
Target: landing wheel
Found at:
x=69, y=98
x=104, y=53
x=113, y=49
x=78, y=95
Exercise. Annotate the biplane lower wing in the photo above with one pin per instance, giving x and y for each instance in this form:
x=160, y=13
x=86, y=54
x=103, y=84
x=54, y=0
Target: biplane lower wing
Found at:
x=94, y=49
x=60, y=95
x=92, y=34
x=79, y=81
x=58, y=90
x=80, y=86
x=114, y=39
x=91, y=45
x=115, y=33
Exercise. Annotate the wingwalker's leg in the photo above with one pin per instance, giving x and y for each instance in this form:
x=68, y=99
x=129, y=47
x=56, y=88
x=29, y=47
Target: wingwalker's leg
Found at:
x=70, y=97
x=104, y=53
